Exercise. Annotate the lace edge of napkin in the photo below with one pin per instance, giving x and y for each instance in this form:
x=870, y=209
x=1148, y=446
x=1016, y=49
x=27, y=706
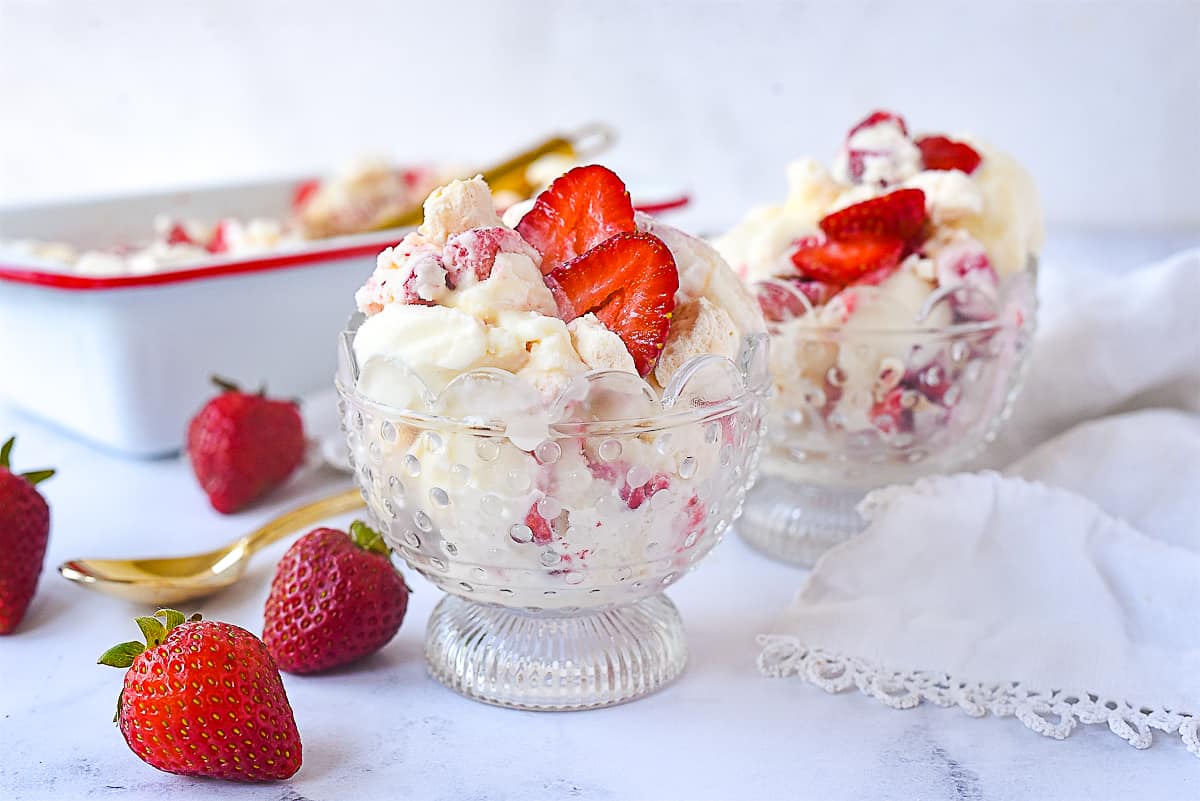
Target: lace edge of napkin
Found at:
x=1049, y=713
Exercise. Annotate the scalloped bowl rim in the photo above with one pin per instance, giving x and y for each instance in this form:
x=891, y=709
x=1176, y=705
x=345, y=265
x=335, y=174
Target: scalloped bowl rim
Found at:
x=1009, y=284
x=752, y=388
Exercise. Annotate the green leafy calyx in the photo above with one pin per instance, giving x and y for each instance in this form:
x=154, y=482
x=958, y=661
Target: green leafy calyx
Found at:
x=154, y=631
x=368, y=538
x=34, y=476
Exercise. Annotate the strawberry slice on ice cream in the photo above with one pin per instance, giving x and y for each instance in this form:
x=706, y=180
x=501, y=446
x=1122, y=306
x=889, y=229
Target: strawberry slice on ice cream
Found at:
x=835, y=262
x=896, y=215
x=943, y=153
x=629, y=282
x=582, y=208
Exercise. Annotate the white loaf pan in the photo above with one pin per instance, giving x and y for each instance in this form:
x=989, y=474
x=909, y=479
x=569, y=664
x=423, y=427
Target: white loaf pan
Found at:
x=125, y=362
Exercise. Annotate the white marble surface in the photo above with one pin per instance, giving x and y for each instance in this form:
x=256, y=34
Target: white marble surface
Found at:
x=383, y=729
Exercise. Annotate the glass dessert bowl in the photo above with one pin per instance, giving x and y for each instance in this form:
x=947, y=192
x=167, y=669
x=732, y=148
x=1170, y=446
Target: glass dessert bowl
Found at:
x=858, y=409
x=899, y=293
x=554, y=531
x=553, y=416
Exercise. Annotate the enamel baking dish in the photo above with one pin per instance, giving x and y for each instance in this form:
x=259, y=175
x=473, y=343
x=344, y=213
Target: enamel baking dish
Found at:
x=125, y=362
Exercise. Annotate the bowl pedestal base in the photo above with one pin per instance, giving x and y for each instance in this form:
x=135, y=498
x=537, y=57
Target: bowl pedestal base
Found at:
x=548, y=660
x=795, y=522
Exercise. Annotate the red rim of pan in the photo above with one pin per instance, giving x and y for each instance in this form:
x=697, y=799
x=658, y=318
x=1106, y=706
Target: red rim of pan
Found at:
x=257, y=264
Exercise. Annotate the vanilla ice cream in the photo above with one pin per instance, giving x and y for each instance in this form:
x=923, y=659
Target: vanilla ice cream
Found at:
x=460, y=322
x=856, y=282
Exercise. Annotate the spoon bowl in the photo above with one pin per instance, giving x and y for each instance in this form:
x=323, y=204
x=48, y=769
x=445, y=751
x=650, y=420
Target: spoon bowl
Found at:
x=171, y=580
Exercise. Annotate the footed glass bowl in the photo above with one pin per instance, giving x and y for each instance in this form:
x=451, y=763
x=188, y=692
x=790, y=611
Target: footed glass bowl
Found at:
x=858, y=408
x=554, y=531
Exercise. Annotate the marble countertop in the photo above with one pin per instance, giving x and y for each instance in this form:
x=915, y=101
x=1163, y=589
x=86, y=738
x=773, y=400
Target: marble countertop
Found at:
x=384, y=729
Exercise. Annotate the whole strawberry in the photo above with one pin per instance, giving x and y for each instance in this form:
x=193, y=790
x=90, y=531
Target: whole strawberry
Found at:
x=203, y=698
x=24, y=531
x=242, y=446
x=335, y=598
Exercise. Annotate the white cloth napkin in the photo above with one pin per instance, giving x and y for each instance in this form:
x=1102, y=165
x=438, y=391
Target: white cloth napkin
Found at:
x=1066, y=589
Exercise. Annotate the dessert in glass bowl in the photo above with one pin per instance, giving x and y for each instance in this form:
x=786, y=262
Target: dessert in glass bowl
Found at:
x=553, y=420
x=898, y=289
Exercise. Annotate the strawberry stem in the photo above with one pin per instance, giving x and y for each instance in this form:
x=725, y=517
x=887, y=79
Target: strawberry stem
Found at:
x=368, y=538
x=154, y=630
x=225, y=384
x=34, y=476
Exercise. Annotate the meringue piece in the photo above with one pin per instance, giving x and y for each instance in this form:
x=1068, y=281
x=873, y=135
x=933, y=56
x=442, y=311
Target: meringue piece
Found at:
x=888, y=155
x=698, y=327
x=598, y=347
x=513, y=214
x=950, y=195
x=458, y=206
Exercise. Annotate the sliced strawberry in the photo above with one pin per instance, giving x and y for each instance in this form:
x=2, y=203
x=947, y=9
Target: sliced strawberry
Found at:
x=876, y=118
x=896, y=215
x=540, y=526
x=842, y=263
x=629, y=282
x=890, y=416
x=218, y=243
x=581, y=209
x=178, y=235
x=942, y=153
x=303, y=192
x=636, y=496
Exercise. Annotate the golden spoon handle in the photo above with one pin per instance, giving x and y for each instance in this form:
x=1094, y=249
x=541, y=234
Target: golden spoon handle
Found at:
x=510, y=173
x=301, y=517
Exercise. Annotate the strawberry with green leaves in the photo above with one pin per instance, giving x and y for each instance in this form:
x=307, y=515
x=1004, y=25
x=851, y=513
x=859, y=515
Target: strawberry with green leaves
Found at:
x=204, y=698
x=243, y=445
x=334, y=600
x=24, y=533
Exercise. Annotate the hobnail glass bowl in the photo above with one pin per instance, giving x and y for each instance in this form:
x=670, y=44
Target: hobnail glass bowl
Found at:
x=858, y=409
x=554, y=531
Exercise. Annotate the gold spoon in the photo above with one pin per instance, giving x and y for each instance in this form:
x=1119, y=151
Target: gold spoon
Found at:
x=181, y=578
x=510, y=174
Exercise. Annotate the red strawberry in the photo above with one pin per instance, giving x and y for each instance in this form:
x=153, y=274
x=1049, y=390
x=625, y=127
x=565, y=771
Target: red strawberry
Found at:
x=543, y=533
x=304, y=192
x=203, y=698
x=842, y=263
x=24, y=532
x=581, y=209
x=636, y=496
x=942, y=153
x=896, y=215
x=218, y=243
x=629, y=282
x=178, y=235
x=470, y=255
x=890, y=415
x=242, y=446
x=334, y=599
x=876, y=118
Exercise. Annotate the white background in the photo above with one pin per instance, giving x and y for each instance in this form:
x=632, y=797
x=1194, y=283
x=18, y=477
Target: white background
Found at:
x=1100, y=99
